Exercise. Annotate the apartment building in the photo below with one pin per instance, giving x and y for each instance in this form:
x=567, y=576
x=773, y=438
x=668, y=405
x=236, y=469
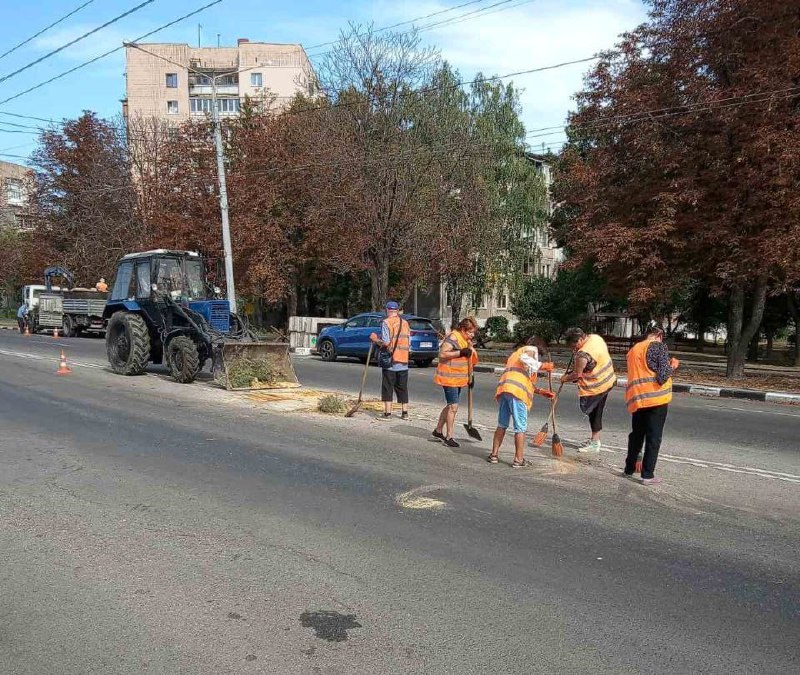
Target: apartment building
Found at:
x=173, y=82
x=13, y=198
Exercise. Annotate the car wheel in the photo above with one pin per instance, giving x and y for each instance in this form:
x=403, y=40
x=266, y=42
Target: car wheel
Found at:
x=423, y=363
x=327, y=350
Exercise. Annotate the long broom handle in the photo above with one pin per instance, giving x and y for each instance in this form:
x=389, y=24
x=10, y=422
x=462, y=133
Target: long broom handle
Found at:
x=366, y=369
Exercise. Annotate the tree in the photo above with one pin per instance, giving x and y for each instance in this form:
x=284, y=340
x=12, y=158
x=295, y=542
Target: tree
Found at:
x=681, y=162
x=82, y=200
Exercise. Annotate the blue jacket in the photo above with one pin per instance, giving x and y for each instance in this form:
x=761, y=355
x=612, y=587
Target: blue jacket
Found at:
x=22, y=311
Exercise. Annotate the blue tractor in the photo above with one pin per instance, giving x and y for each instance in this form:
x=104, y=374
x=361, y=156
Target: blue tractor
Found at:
x=162, y=309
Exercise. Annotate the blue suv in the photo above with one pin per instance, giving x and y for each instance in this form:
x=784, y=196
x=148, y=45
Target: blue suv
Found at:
x=352, y=338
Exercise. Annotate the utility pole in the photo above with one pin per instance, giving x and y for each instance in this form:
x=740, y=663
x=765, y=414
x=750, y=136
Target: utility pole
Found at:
x=223, y=197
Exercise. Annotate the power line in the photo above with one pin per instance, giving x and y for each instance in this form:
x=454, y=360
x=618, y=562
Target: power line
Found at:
x=76, y=40
x=45, y=29
x=108, y=53
x=480, y=12
x=402, y=23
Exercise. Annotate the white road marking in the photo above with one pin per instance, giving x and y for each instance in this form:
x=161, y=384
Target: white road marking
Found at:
x=39, y=357
x=754, y=410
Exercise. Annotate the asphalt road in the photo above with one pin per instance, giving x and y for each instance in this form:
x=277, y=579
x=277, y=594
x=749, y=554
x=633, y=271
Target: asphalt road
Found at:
x=147, y=526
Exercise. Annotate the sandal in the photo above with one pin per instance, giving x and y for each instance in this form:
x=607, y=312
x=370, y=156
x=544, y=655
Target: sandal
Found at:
x=521, y=465
x=492, y=459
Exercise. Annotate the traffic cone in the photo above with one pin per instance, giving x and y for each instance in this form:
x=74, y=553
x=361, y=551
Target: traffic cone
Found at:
x=55, y=332
x=63, y=369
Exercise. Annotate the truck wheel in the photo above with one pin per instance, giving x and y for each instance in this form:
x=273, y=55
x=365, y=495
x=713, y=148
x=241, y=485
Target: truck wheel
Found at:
x=67, y=326
x=183, y=360
x=127, y=344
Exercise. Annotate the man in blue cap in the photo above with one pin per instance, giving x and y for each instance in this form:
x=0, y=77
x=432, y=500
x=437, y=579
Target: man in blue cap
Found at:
x=395, y=344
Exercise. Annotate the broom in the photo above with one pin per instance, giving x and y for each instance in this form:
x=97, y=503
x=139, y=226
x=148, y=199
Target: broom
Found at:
x=557, y=445
x=539, y=439
x=355, y=408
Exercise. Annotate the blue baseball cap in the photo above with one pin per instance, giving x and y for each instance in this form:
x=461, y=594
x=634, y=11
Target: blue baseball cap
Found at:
x=392, y=305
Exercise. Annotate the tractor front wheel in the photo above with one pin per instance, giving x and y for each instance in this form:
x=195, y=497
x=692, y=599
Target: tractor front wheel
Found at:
x=183, y=359
x=127, y=344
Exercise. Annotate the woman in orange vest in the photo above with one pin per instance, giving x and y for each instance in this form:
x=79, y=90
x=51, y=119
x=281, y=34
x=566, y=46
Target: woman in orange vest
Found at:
x=452, y=374
x=648, y=395
x=593, y=372
x=514, y=395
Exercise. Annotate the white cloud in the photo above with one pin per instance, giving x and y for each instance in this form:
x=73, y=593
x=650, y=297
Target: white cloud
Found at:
x=94, y=45
x=532, y=35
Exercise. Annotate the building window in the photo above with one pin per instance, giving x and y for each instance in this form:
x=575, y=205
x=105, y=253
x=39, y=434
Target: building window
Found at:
x=14, y=191
x=256, y=80
x=172, y=107
x=528, y=266
x=547, y=271
x=172, y=80
x=502, y=300
x=484, y=302
x=228, y=105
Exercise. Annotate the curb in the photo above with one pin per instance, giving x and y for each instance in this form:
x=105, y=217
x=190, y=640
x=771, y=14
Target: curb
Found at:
x=696, y=389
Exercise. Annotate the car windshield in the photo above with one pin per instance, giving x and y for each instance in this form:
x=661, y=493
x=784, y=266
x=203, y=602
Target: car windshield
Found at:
x=420, y=324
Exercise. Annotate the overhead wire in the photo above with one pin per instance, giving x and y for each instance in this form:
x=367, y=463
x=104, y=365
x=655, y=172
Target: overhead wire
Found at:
x=53, y=52
x=109, y=52
x=45, y=29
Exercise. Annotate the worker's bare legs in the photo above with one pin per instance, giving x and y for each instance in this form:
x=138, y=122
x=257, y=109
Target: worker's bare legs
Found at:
x=447, y=418
x=497, y=441
x=519, y=447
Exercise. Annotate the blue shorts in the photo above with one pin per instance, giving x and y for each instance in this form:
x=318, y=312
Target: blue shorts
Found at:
x=512, y=410
x=452, y=395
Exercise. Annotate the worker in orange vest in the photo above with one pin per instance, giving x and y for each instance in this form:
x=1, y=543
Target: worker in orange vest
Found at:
x=101, y=286
x=514, y=395
x=593, y=372
x=452, y=374
x=648, y=395
x=395, y=340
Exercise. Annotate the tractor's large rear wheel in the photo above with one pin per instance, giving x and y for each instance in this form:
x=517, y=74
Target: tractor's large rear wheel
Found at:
x=127, y=343
x=183, y=359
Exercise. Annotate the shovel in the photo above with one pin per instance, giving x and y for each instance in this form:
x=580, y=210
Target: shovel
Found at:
x=355, y=408
x=472, y=431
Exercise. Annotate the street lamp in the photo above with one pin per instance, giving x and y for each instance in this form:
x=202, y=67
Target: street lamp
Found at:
x=223, y=188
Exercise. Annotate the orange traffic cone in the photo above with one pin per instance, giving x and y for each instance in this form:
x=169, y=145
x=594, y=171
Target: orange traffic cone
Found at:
x=63, y=369
x=55, y=332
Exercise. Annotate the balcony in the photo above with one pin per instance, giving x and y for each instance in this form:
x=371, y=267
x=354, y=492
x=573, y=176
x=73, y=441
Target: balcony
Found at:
x=206, y=89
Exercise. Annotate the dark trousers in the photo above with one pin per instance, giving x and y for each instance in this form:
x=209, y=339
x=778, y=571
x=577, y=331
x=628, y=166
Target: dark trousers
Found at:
x=593, y=407
x=648, y=427
x=394, y=382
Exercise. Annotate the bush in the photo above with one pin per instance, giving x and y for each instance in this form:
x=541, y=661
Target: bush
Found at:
x=497, y=329
x=545, y=329
x=331, y=404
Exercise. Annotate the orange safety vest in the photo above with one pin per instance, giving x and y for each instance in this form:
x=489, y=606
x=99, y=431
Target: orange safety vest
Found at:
x=516, y=381
x=454, y=372
x=602, y=378
x=401, y=351
x=643, y=389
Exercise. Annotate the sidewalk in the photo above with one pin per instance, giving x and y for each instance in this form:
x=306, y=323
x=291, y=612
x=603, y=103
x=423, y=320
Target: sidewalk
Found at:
x=761, y=383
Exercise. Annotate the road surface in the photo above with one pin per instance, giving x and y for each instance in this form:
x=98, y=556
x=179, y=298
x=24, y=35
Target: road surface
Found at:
x=155, y=527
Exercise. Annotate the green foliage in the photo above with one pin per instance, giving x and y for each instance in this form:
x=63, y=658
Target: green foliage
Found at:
x=332, y=404
x=497, y=329
x=547, y=330
x=251, y=373
x=561, y=302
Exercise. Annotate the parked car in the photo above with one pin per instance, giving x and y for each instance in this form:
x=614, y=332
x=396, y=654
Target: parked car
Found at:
x=352, y=338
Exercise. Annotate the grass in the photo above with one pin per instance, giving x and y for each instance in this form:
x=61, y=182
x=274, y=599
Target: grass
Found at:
x=332, y=404
x=251, y=373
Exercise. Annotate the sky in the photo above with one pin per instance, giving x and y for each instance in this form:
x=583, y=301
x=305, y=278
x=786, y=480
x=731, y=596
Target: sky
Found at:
x=488, y=36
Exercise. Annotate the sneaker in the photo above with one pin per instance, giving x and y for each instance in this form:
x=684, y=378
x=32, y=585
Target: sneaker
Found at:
x=404, y=416
x=521, y=464
x=437, y=434
x=451, y=443
x=655, y=480
x=385, y=417
x=590, y=446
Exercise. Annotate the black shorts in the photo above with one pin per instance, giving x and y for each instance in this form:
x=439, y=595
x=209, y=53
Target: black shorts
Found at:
x=593, y=407
x=395, y=381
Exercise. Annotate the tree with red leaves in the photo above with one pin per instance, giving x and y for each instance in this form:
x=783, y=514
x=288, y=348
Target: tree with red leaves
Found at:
x=683, y=162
